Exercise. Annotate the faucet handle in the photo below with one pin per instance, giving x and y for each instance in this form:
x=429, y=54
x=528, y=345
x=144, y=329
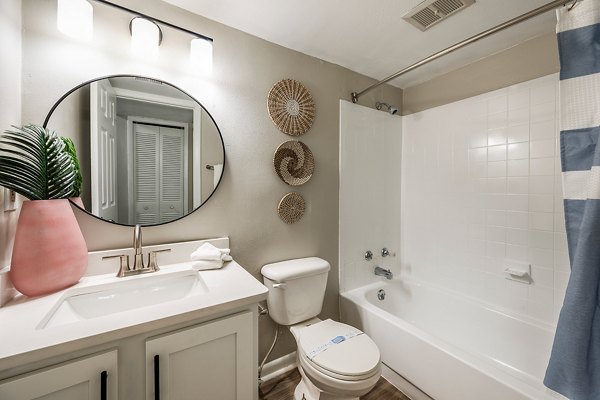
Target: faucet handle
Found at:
x=123, y=263
x=152, y=260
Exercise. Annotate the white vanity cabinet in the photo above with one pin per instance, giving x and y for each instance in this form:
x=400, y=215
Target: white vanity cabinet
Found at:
x=90, y=378
x=213, y=360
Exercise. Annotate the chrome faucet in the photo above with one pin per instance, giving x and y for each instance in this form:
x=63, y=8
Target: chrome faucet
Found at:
x=383, y=272
x=138, y=260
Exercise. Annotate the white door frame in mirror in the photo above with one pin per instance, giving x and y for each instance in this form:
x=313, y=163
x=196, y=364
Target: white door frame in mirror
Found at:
x=159, y=100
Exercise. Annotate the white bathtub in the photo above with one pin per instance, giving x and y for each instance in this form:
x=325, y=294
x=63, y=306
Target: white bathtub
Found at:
x=450, y=347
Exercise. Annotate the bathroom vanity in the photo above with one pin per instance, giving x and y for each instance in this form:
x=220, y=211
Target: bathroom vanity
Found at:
x=176, y=333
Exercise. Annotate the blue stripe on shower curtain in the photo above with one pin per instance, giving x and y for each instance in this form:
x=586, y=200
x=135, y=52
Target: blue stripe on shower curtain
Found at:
x=574, y=367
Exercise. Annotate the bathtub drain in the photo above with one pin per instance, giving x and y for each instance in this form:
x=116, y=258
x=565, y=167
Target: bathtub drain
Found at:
x=381, y=294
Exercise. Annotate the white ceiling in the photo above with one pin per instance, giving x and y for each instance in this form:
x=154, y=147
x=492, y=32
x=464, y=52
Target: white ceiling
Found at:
x=370, y=37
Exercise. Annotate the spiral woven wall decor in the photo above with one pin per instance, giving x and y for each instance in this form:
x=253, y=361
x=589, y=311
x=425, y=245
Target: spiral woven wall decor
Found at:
x=291, y=207
x=294, y=162
x=291, y=107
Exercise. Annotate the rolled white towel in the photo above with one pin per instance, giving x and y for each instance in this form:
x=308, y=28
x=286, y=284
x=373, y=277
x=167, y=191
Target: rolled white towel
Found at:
x=206, y=252
x=203, y=265
x=226, y=257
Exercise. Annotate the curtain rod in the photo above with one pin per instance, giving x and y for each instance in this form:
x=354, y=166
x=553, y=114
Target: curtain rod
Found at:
x=139, y=14
x=540, y=10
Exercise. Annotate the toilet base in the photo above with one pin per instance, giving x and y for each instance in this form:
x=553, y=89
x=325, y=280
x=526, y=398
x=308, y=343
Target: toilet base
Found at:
x=306, y=390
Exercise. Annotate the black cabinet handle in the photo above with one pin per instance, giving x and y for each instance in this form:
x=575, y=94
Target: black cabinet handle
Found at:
x=156, y=378
x=103, y=379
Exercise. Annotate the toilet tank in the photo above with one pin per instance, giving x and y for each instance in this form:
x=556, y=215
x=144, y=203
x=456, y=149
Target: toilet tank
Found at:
x=296, y=289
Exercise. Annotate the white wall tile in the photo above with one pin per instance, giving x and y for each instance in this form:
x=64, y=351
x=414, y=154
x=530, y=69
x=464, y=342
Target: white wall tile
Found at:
x=543, y=111
x=542, y=166
x=518, y=151
x=490, y=193
x=541, y=203
x=517, y=202
x=541, y=185
x=515, y=219
x=518, y=116
x=541, y=221
x=518, y=133
x=496, y=136
x=496, y=153
x=496, y=185
x=542, y=130
x=541, y=239
x=518, y=167
x=519, y=237
x=496, y=169
x=542, y=148
x=518, y=99
x=478, y=155
x=495, y=217
x=517, y=185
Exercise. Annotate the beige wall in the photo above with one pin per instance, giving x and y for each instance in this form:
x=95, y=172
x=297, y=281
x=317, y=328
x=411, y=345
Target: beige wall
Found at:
x=10, y=104
x=529, y=60
x=245, y=68
x=211, y=154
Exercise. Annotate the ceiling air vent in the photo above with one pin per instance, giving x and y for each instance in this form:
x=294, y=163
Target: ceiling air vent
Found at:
x=430, y=12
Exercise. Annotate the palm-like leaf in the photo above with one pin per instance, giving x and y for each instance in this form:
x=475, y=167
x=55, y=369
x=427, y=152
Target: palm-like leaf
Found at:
x=34, y=163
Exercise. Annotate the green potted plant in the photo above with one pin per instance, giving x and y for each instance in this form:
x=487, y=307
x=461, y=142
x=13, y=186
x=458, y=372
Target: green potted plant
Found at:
x=49, y=251
x=70, y=149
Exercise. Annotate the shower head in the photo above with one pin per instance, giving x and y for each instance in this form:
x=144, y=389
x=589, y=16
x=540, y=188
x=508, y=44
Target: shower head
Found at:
x=391, y=109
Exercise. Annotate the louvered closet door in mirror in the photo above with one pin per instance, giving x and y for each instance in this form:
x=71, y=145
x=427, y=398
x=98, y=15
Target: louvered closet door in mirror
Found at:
x=159, y=176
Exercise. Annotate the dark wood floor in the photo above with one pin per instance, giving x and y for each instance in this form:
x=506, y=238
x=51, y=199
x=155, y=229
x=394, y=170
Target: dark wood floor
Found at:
x=282, y=388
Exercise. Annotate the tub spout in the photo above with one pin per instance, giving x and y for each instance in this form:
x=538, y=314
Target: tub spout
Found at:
x=383, y=272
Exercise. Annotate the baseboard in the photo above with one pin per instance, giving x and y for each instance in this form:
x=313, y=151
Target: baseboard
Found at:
x=279, y=366
x=400, y=383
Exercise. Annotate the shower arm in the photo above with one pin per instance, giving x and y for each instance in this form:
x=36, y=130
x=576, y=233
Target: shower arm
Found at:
x=533, y=13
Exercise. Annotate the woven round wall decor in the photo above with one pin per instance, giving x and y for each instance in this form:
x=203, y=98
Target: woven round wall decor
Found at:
x=291, y=107
x=294, y=162
x=291, y=207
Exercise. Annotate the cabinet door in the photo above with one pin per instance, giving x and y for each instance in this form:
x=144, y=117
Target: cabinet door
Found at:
x=209, y=361
x=92, y=378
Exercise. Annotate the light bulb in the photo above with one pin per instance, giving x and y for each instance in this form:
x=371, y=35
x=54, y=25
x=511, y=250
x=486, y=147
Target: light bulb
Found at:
x=201, y=57
x=75, y=18
x=145, y=38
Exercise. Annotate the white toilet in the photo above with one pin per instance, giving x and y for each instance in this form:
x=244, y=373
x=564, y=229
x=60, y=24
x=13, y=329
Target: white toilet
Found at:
x=336, y=361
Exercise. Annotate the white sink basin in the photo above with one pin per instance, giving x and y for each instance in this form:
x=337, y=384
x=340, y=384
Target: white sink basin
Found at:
x=123, y=294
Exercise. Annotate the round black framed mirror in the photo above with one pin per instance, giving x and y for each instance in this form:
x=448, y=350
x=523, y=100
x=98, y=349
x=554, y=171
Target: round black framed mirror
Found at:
x=149, y=152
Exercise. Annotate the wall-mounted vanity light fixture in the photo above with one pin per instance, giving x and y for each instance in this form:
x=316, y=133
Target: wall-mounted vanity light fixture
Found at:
x=146, y=34
x=75, y=18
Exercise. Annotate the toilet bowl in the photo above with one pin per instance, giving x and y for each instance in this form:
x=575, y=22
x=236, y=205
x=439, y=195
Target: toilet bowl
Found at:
x=336, y=361
x=344, y=370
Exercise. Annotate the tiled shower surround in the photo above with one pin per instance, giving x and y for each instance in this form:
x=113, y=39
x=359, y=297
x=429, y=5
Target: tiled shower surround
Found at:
x=481, y=191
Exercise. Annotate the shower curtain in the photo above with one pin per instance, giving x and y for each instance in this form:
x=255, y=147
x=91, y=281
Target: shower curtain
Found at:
x=574, y=368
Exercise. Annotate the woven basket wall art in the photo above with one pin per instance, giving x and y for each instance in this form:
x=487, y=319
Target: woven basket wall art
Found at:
x=291, y=107
x=294, y=162
x=291, y=207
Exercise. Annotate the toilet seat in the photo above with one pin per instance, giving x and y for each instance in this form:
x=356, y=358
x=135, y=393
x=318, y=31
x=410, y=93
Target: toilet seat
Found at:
x=353, y=359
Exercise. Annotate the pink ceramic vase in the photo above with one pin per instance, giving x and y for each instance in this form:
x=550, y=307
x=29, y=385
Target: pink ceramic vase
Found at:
x=49, y=253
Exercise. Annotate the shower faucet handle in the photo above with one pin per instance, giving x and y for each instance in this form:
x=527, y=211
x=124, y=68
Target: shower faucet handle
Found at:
x=368, y=255
x=385, y=252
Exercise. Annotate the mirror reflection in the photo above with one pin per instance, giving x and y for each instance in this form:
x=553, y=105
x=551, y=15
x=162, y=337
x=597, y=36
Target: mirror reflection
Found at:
x=149, y=152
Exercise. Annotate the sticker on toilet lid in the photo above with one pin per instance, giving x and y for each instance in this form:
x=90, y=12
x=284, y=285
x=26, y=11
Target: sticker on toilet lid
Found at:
x=336, y=340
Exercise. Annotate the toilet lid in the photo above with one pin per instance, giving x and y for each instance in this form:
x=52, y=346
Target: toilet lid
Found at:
x=353, y=356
